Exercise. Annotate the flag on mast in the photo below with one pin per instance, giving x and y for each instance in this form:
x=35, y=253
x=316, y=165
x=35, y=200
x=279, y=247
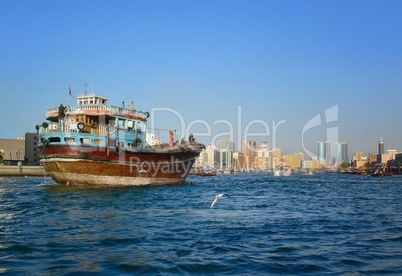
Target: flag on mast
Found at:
x=69, y=95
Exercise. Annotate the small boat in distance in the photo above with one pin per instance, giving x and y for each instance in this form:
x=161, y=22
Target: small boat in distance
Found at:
x=206, y=173
x=93, y=143
x=308, y=171
x=381, y=173
x=282, y=170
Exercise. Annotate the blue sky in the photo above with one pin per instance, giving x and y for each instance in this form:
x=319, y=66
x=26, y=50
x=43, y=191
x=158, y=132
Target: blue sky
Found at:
x=277, y=60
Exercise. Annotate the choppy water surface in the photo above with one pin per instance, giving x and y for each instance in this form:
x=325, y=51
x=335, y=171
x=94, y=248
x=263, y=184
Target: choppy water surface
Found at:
x=323, y=224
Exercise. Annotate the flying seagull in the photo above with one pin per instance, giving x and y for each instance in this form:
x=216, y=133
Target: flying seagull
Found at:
x=216, y=199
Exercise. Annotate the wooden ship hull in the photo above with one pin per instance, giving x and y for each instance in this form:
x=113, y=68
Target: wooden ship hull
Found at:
x=97, y=166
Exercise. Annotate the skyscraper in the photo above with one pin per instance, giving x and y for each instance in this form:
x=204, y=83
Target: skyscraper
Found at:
x=324, y=153
x=381, y=147
x=263, y=157
x=341, y=152
x=249, y=149
x=226, y=158
x=209, y=157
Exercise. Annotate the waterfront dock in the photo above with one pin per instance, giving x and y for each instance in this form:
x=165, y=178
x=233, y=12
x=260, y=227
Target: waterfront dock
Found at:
x=21, y=171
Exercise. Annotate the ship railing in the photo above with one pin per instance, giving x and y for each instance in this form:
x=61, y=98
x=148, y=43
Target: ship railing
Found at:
x=112, y=109
x=131, y=113
x=100, y=130
x=99, y=108
x=54, y=127
x=54, y=111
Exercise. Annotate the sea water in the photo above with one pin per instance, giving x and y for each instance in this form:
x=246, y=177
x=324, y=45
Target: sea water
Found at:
x=315, y=224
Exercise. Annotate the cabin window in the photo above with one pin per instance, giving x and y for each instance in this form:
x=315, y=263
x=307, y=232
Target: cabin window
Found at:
x=140, y=127
x=98, y=141
x=54, y=139
x=69, y=140
x=121, y=124
x=85, y=141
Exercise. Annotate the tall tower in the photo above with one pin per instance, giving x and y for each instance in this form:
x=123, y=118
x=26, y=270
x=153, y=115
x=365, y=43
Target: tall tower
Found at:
x=249, y=149
x=381, y=147
x=324, y=153
x=342, y=152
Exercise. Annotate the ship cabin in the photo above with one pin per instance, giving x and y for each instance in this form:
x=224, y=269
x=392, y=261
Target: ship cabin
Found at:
x=92, y=122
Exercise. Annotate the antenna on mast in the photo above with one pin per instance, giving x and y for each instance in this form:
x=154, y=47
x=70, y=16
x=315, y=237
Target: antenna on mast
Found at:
x=85, y=86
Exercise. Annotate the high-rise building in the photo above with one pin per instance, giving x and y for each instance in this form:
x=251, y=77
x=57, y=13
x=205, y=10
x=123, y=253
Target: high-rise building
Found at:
x=341, y=153
x=225, y=148
x=249, y=149
x=358, y=156
x=263, y=157
x=324, y=153
x=381, y=147
x=294, y=160
x=210, y=157
x=226, y=159
x=276, y=157
x=239, y=162
x=31, y=149
x=382, y=156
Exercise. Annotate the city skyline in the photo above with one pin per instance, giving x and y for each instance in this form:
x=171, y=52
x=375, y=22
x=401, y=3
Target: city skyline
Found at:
x=282, y=63
x=324, y=157
x=259, y=157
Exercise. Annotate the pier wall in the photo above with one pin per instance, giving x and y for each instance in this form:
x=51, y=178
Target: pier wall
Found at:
x=21, y=171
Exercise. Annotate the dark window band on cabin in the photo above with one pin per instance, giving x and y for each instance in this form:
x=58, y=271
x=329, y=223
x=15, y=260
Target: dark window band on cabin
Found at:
x=54, y=139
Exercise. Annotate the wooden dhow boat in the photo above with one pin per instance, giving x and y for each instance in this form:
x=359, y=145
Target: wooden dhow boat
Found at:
x=93, y=143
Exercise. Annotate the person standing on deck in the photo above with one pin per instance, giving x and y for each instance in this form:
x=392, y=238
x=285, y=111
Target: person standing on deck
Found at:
x=61, y=112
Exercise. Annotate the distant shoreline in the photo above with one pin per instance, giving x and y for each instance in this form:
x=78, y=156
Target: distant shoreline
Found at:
x=21, y=171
